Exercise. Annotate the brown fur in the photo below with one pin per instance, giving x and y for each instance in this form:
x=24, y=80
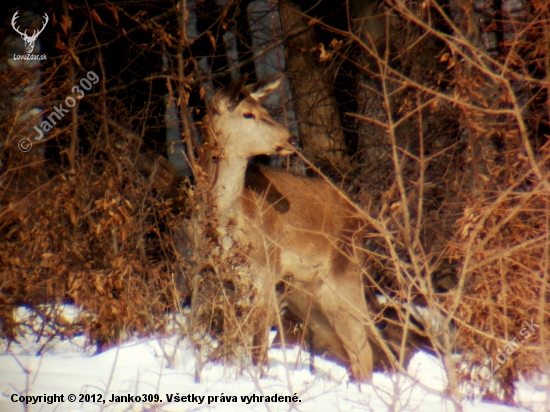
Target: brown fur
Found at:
x=307, y=227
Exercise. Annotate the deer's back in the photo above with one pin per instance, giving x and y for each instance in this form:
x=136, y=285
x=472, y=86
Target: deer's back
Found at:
x=307, y=224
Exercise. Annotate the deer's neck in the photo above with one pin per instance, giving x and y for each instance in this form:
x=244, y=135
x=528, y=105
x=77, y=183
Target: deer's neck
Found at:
x=228, y=174
x=228, y=189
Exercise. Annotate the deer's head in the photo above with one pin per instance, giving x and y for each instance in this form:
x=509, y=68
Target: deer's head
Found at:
x=242, y=125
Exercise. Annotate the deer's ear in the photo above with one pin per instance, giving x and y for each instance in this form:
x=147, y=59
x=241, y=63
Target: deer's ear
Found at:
x=261, y=90
x=232, y=92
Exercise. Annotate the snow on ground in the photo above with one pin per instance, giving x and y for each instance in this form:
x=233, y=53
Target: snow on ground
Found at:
x=140, y=367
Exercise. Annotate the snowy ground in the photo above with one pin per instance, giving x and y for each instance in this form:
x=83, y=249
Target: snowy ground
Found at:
x=140, y=367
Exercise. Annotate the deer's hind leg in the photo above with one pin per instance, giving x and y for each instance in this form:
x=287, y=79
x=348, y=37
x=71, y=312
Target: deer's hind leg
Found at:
x=323, y=339
x=343, y=305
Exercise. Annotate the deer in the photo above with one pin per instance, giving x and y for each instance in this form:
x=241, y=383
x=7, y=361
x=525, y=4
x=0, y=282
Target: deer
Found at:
x=301, y=231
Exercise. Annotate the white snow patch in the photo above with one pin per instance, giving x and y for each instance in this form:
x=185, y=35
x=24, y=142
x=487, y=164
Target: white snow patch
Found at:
x=140, y=367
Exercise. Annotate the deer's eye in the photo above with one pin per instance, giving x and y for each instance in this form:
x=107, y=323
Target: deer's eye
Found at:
x=249, y=115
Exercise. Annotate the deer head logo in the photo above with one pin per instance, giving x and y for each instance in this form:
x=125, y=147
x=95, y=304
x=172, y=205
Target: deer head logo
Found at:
x=29, y=40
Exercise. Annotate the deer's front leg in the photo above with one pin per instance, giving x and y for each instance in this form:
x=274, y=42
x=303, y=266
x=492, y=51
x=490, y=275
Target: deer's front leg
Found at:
x=263, y=313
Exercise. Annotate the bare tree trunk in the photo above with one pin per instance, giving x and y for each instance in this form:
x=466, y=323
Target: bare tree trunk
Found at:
x=245, y=46
x=370, y=25
x=494, y=140
x=319, y=124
